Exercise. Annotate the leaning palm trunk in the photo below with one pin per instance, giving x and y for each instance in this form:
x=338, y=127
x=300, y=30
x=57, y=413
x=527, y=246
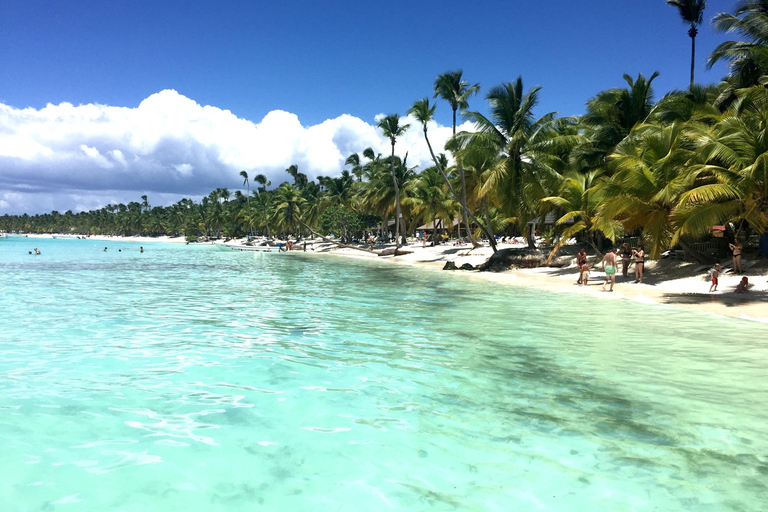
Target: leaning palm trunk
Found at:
x=398, y=218
x=324, y=239
x=463, y=204
x=488, y=219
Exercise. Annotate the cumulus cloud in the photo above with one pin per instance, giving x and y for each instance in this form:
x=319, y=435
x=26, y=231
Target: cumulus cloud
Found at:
x=84, y=157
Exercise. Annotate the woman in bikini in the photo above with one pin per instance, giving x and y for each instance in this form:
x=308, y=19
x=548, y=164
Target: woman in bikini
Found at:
x=639, y=255
x=581, y=262
x=736, y=247
x=626, y=254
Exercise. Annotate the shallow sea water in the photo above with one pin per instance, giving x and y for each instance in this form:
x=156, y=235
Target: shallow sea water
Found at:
x=188, y=378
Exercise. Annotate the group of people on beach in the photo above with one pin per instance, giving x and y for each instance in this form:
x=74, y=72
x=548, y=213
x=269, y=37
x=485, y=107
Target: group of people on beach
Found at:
x=626, y=254
x=610, y=265
x=736, y=248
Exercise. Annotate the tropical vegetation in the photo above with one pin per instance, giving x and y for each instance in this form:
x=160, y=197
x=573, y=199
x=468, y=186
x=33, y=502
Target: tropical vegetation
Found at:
x=664, y=170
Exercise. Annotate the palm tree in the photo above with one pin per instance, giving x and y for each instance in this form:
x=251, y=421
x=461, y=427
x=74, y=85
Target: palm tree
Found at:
x=520, y=179
x=748, y=59
x=261, y=191
x=456, y=91
x=429, y=200
x=580, y=197
x=391, y=128
x=288, y=208
x=732, y=179
x=357, y=168
x=691, y=12
x=244, y=175
x=424, y=113
x=651, y=174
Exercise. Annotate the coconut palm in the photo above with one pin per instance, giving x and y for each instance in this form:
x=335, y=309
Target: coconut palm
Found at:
x=579, y=199
x=261, y=194
x=357, y=168
x=732, y=180
x=429, y=199
x=244, y=175
x=288, y=208
x=692, y=13
x=650, y=175
x=456, y=91
x=521, y=178
x=391, y=128
x=748, y=59
x=424, y=113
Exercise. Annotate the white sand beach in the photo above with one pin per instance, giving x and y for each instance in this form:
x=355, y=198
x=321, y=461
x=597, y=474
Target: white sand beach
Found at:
x=667, y=281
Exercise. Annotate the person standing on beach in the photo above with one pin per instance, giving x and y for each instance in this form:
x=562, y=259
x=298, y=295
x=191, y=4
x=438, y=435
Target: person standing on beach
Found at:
x=639, y=255
x=715, y=275
x=736, y=247
x=609, y=267
x=581, y=262
x=626, y=254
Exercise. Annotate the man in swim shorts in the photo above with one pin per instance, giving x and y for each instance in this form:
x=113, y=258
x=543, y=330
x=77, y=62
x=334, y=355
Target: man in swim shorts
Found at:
x=609, y=267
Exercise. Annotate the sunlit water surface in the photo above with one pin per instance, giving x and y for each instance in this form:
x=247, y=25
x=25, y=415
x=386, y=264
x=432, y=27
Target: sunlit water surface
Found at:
x=187, y=378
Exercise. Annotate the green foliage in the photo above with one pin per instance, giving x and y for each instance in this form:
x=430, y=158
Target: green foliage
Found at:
x=341, y=221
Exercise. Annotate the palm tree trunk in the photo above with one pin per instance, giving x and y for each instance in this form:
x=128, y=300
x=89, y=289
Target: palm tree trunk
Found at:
x=456, y=196
x=397, y=201
x=693, y=51
x=491, y=237
x=464, y=192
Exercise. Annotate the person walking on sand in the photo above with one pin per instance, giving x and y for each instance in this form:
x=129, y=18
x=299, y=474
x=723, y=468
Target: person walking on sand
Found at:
x=609, y=267
x=585, y=274
x=639, y=255
x=715, y=275
x=581, y=262
x=736, y=247
x=626, y=254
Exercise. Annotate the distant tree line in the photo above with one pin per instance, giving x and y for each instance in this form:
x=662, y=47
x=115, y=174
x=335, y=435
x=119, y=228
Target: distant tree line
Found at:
x=666, y=171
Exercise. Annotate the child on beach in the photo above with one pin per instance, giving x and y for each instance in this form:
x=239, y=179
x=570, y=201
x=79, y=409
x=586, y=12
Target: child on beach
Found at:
x=743, y=285
x=584, y=273
x=715, y=275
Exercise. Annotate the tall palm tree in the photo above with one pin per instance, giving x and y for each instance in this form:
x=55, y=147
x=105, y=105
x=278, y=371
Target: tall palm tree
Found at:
x=391, y=128
x=456, y=91
x=244, y=175
x=424, y=113
x=262, y=191
x=691, y=12
x=520, y=178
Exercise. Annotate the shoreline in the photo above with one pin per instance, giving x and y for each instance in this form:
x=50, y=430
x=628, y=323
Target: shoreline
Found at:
x=667, y=282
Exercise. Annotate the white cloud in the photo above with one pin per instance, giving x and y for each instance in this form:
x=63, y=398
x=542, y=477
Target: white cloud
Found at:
x=84, y=157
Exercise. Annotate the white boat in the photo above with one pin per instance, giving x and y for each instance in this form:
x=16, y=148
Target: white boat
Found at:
x=253, y=248
x=65, y=236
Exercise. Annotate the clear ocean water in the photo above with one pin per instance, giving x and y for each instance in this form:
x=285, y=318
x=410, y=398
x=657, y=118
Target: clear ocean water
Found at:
x=186, y=378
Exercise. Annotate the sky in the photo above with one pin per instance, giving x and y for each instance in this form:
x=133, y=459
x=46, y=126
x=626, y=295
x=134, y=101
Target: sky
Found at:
x=103, y=102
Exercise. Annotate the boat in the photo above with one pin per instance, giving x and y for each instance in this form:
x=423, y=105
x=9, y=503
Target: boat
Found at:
x=263, y=247
x=66, y=236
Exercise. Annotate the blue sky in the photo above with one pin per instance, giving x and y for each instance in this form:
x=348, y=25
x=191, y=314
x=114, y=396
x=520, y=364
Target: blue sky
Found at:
x=316, y=61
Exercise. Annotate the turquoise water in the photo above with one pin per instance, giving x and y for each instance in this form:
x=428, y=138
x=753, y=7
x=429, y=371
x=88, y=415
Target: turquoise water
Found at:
x=187, y=378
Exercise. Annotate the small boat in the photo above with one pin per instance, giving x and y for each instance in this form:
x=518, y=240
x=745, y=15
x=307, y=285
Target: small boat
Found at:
x=65, y=236
x=264, y=247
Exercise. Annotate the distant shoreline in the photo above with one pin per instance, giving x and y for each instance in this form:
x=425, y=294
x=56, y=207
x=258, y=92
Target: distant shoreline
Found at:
x=668, y=282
